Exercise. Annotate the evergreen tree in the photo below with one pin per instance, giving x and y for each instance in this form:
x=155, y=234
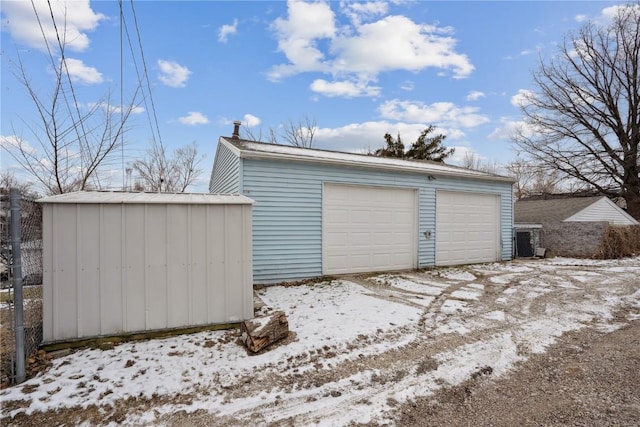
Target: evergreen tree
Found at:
x=424, y=148
x=394, y=148
x=429, y=147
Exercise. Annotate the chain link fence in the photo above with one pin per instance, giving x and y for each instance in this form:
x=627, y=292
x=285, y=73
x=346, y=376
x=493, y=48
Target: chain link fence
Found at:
x=30, y=280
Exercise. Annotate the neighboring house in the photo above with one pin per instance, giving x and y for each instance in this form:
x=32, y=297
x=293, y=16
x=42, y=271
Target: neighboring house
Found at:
x=321, y=212
x=567, y=226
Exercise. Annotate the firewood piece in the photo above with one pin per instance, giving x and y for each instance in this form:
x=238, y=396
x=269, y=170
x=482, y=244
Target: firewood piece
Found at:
x=260, y=332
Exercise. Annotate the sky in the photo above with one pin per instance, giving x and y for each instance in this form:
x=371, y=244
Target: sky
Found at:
x=358, y=69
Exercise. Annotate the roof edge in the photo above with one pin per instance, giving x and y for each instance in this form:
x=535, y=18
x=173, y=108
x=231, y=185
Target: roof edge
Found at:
x=253, y=154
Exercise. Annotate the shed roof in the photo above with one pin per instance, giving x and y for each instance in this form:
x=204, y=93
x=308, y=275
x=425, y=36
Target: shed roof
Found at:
x=539, y=211
x=123, y=197
x=252, y=149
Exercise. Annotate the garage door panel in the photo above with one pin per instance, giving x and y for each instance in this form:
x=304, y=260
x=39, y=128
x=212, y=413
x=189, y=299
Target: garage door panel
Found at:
x=467, y=226
x=379, y=223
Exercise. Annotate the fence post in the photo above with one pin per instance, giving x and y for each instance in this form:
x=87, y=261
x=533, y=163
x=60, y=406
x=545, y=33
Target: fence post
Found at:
x=16, y=239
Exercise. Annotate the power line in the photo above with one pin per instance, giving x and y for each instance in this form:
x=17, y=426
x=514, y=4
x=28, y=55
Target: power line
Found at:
x=121, y=97
x=144, y=65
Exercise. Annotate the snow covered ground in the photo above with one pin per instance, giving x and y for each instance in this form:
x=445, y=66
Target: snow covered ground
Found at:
x=359, y=347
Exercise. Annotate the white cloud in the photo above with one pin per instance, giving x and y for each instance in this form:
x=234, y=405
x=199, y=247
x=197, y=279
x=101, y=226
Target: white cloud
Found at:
x=226, y=30
x=359, y=12
x=521, y=98
x=407, y=85
x=173, y=74
x=358, y=52
x=74, y=19
x=346, y=89
x=611, y=12
x=581, y=18
x=194, y=118
x=364, y=137
x=400, y=44
x=460, y=154
x=509, y=128
x=297, y=36
x=439, y=113
x=474, y=95
x=82, y=73
x=116, y=109
x=12, y=142
x=369, y=136
x=250, y=120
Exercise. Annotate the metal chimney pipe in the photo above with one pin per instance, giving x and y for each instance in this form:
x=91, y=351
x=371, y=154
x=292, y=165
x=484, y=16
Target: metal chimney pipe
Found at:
x=236, y=129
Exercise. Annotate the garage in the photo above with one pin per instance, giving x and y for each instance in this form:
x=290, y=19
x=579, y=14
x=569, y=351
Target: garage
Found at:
x=320, y=212
x=467, y=228
x=368, y=229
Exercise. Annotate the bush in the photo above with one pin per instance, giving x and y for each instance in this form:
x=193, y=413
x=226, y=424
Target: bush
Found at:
x=620, y=241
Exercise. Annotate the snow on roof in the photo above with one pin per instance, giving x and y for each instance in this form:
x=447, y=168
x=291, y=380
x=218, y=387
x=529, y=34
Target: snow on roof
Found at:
x=147, y=198
x=255, y=149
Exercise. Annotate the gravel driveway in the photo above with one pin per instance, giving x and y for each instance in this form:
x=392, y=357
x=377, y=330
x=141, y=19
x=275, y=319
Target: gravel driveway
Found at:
x=540, y=342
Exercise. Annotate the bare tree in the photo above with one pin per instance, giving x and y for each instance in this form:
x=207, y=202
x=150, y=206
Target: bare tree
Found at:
x=159, y=172
x=300, y=133
x=583, y=120
x=533, y=179
x=473, y=161
x=252, y=134
x=8, y=181
x=72, y=142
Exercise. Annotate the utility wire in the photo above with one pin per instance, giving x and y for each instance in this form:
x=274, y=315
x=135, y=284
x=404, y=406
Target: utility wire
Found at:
x=144, y=64
x=121, y=98
x=80, y=121
x=140, y=79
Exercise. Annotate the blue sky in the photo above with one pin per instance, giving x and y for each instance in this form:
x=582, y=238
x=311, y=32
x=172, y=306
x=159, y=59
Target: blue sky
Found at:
x=360, y=69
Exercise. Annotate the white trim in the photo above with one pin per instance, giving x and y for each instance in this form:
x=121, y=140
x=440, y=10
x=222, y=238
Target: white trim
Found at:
x=229, y=145
x=123, y=197
x=526, y=225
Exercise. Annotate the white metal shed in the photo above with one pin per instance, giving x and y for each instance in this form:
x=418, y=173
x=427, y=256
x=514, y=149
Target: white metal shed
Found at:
x=117, y=262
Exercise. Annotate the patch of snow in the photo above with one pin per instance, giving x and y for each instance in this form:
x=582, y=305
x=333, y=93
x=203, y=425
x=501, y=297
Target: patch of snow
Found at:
x=455, y=274
x=410, y=285
x=453, y=307
x=465, y=294
x=495, y=315
x=423, y=301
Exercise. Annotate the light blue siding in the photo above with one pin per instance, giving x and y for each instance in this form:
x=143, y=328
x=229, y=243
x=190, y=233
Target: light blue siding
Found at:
x=287, y=214
x=225, y=178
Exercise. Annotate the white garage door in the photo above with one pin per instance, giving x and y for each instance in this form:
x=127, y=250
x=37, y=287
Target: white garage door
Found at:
x=368, y=229
x=467, y=228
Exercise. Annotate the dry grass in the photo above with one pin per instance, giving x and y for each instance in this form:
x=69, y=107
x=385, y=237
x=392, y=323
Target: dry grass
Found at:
x=32, y=322
x=620, y=241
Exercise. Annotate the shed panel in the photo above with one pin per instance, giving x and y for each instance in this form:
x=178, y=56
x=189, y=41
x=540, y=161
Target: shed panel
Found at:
x=135, y=277
x=119, y=268
x=113, y=263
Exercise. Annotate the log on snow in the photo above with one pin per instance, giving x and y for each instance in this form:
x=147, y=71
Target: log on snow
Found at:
x=260, y=332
